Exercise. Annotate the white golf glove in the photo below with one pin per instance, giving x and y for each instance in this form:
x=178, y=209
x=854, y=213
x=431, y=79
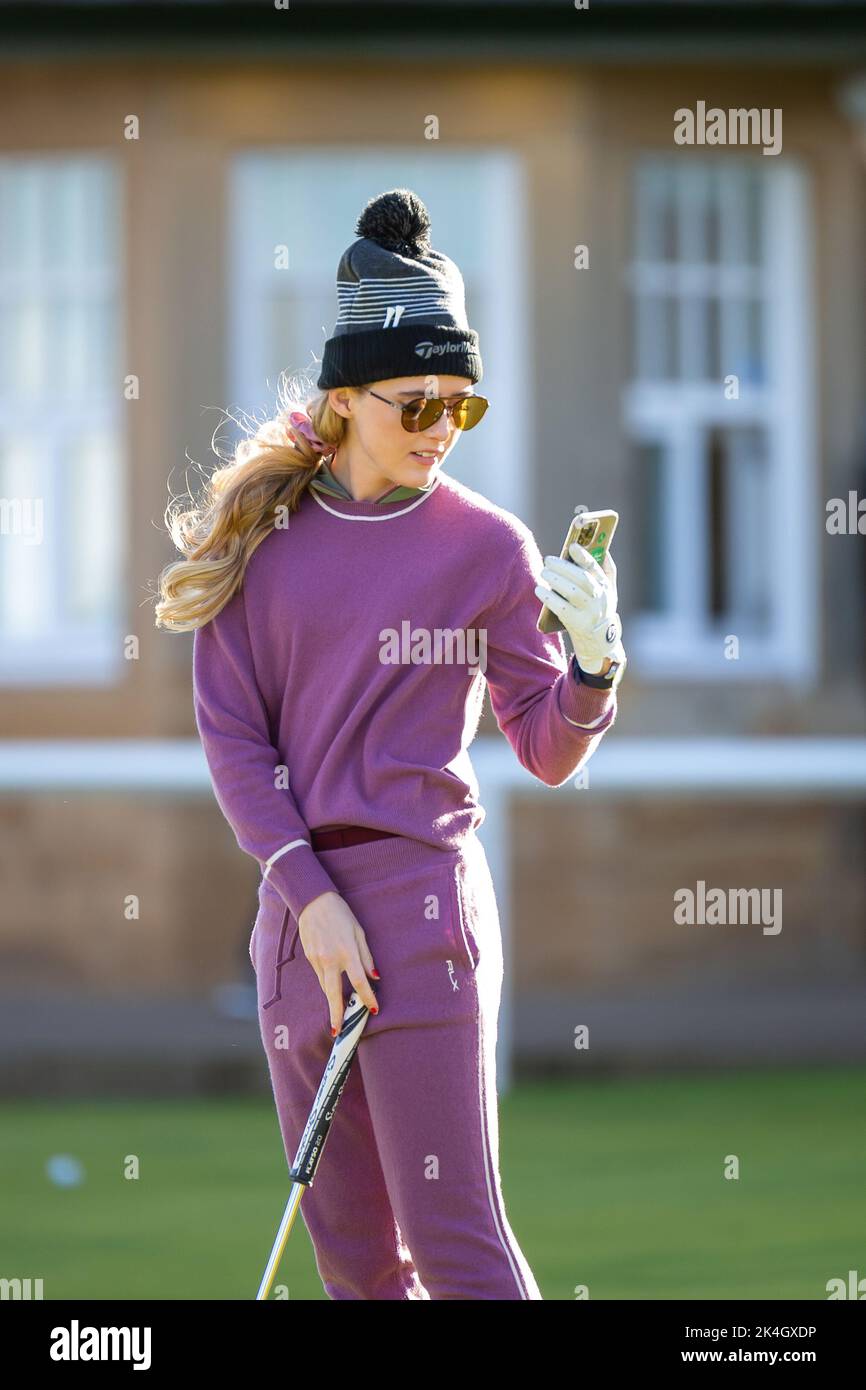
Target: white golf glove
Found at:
x=583, y=596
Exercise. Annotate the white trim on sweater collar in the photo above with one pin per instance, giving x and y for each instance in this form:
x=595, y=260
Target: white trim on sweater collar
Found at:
x=385, y=516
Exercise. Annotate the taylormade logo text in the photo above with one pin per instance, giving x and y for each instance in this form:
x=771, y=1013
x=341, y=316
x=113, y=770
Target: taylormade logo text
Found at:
x=437, y=349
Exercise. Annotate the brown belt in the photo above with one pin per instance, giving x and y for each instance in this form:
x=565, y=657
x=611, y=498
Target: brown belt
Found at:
x=341, y=835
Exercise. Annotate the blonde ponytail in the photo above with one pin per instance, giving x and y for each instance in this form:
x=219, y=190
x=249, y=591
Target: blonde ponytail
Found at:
x=269, y=471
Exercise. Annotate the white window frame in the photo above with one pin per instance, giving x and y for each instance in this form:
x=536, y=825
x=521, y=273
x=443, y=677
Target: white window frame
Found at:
x=681, y=644
x=64, y=650
x=501, y=443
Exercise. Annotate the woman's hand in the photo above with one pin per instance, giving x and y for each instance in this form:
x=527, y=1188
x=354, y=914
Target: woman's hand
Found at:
x=334, y=941
x=583, y=596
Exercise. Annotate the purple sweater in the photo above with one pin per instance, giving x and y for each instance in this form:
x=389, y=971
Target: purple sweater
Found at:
x=312, y=711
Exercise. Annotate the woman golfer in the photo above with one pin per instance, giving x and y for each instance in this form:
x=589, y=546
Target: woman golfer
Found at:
x=349, y=600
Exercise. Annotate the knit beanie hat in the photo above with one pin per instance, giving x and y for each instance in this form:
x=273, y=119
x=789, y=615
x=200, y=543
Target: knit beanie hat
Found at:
x=402, y=306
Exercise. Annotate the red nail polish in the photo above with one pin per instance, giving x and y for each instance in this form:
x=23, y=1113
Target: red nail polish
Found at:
x=333, y=1032
x=375, y=1009
x=375, y=974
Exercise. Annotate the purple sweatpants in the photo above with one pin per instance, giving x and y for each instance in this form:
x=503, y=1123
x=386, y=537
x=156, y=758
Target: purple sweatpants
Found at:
x=406, y=1201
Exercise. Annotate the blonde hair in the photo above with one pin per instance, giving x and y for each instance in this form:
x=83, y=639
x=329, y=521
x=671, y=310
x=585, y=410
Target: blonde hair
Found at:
x=270, y=469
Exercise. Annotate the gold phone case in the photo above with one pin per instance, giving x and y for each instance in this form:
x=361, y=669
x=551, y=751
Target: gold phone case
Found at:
x=594, y=531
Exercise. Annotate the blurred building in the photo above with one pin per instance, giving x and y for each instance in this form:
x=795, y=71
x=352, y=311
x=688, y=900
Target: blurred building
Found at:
x=673, y=329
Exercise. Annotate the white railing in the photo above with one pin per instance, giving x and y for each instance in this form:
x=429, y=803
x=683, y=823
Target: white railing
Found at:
x=832, y=769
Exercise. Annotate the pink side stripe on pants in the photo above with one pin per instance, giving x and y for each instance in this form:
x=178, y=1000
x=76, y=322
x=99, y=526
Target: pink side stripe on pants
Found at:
x=407, y=1201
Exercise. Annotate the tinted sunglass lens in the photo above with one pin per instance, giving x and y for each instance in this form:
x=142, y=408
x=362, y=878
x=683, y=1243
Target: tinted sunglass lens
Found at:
x=466, y=413
x=430, y=413
x=469, y=412
x=416, y=416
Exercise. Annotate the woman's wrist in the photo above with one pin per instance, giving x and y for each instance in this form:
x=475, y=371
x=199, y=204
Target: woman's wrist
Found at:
x=607, y=677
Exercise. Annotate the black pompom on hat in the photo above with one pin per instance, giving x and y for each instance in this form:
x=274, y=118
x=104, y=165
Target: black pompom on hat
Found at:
x=398, y=221
x=402, y=305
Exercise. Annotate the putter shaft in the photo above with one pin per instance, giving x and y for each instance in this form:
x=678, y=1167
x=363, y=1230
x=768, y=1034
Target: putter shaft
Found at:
x=317, y=1128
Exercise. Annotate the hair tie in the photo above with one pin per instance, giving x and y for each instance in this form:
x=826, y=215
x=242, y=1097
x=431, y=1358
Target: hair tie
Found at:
x=304, y=425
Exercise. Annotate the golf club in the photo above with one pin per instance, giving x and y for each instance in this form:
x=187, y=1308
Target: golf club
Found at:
x=318, y=1125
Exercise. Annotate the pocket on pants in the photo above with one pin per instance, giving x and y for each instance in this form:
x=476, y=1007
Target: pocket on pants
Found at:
x=394, y=920
x=272, y=945
x=464, y=914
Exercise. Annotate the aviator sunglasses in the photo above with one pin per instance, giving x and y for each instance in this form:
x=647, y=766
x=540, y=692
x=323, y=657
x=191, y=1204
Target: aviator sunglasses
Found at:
x=420, y=414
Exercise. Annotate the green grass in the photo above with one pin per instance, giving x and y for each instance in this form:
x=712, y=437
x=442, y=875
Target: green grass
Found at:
x=618, y=1185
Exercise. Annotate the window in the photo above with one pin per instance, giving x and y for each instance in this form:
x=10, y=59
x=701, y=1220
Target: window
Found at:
x=723, y=470
x=309, y=201
x=61, y=467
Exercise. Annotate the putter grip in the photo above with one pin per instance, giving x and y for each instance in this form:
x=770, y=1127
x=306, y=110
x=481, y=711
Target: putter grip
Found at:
x=336, y=1073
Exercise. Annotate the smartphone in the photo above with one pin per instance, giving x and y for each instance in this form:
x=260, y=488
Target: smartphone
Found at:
x=594, y=531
